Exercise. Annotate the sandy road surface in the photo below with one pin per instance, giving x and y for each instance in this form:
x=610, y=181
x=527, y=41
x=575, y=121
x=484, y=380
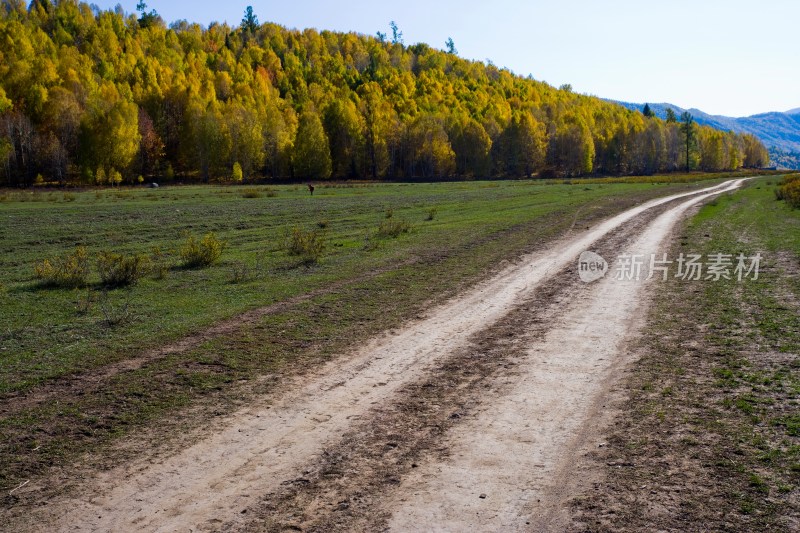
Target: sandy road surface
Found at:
x=261, y=448
x=510, y=464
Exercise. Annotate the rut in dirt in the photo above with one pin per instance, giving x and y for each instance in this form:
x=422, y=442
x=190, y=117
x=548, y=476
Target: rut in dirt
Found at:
x=273, y=446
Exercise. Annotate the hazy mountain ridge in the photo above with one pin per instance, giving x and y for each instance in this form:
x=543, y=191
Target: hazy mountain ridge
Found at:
x=780, y=132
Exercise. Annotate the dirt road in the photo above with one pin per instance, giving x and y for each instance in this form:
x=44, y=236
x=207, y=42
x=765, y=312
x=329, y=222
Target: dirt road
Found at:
x=471, y=417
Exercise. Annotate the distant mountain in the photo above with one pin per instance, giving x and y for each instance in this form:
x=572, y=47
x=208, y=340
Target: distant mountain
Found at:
x=784, y=159
x=780, y=132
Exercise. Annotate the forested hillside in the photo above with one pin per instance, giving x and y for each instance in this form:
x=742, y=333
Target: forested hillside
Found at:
x=106, y=97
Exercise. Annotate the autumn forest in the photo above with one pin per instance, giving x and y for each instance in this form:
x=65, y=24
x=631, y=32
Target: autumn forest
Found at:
x=105, y=97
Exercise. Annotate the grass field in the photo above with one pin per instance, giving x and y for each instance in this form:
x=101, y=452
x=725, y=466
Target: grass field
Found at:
x=711, y=428
x=50, y=332
x=364, y=283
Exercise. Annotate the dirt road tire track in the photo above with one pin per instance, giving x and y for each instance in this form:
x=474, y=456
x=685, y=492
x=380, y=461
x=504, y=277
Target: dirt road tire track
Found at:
x=264, y=446
x=520, y=451
x=343, y=490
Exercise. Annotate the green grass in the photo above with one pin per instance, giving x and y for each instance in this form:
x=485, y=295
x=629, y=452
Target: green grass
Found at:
x=757, y=343
x=44, y=337
x=365, y=288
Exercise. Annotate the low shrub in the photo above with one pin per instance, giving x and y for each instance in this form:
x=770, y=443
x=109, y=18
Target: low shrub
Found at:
x=789, y=190
x=115, y=313
x=35, y=196
x=371, y=242
x=393, y=227
x=791, y=194
x=251, y=193
x=308, y=245
x=117, y=270
x=241, y=272
x=202, y=253
x=432, y=213
x=70, y=270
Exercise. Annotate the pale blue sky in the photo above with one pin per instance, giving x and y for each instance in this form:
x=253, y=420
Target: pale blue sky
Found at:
x=730, y=57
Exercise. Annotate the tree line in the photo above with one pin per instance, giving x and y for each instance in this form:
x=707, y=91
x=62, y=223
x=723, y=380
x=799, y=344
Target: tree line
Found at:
x=91, y=96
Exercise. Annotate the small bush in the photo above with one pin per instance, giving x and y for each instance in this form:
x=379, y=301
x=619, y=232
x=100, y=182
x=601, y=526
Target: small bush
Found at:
x=251, y=193
x=69, y=197
x=789, y=190
x=241, y=272
x=35, y=196
x=70, y=270
x=115, y=313
x=114, y=177
x=322, y=224
x=432, y=213
x=308, y=245
x=271, y=193
x=791, y=193
x=202, y=253
x=393, y=227
x=237, y=174
x=118, y=270
x=389, y=213
x=371, y=243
